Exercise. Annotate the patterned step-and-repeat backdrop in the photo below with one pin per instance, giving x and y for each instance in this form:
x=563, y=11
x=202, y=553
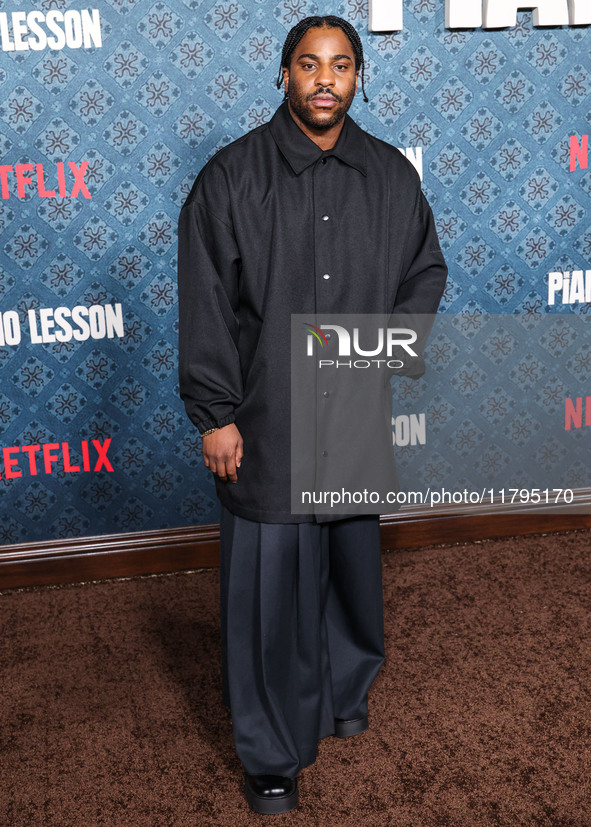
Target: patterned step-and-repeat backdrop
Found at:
x=106, y=116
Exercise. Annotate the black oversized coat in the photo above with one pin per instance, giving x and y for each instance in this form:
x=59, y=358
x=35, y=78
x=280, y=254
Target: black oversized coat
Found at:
x=275, y=226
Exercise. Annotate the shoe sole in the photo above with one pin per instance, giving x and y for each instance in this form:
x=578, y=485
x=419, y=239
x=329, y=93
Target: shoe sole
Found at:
x=345, y=729
x=271, y=806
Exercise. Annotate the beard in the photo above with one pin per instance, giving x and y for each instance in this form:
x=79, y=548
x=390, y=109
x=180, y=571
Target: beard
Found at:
x=301, y=106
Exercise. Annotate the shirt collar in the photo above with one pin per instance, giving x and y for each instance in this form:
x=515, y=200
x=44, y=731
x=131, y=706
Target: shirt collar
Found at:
x=300, y=151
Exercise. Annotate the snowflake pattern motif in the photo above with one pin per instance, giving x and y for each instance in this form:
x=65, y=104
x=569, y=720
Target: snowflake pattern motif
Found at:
x=159, y=233
x=486, y=61
x=35, y=502
x=546, y=54
x=95, y=238
x=163, y=482
x=159, y=25
x=543, y=122
x=514, y=91
x=538, y=188
x=96, y=368
x=26, y=246
x=479, y=193
x=126, y=203
x=226, y=18
x=129, y=396
x=61, y=275
x=496, y=405
x=125, y=132
x=421, y=68
x=125, y=64
x=575, y=85
x=535, y=248
x=55, y=72
x=157, y=94
x=21, y=109
x=193, y=125
x=508, y=221
x=448, y=166
x=91, y=102
x=452, y=99
x=510, y=158
x=191, y=55
x=163, y=423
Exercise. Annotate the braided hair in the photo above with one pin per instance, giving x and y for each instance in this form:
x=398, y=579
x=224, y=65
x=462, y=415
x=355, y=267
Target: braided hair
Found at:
x=329, y=20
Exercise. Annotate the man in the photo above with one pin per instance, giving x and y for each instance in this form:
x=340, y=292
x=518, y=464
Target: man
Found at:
x=306, y=214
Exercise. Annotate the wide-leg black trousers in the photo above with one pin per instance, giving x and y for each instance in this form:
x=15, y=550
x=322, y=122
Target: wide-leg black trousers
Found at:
x=302, y=633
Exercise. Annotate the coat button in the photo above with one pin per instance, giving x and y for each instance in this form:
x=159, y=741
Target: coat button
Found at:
x=325, y=453
x=325, y=218
x=326, y=276
x=323, y=160
x=326, y=393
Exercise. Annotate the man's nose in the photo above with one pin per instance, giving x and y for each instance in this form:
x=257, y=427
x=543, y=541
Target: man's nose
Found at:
x=325, y=77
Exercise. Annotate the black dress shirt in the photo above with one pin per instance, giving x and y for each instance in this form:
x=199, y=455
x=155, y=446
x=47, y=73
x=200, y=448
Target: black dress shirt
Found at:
x=273, y=226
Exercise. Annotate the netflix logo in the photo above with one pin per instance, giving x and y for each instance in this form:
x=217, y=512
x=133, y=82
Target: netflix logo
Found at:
x=579, y=152
x=577, y=413
x=43, y=458
x=49, y=182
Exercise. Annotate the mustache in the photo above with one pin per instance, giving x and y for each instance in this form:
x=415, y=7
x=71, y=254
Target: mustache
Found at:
x=325, y=93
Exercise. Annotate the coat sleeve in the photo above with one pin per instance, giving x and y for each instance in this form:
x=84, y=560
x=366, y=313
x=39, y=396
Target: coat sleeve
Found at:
x=424, y=273
x=210, y=378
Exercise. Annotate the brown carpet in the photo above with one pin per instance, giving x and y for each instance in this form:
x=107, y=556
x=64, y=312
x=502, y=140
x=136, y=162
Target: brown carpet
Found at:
x=111, y=711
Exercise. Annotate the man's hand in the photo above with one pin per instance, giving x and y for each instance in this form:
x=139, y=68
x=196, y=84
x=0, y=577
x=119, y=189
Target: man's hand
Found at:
x=222, y=452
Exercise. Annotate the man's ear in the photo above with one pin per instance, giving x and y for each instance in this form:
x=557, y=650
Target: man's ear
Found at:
x=285, y=72
x=356, y=79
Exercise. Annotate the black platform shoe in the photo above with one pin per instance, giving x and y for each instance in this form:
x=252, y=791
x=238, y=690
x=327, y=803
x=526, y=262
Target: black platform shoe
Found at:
x=344, y=729
x=271, y=794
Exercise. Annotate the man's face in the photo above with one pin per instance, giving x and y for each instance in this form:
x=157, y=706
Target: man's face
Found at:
x=321, y=79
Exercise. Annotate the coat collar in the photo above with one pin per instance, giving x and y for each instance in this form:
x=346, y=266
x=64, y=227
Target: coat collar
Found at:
x=300, y=151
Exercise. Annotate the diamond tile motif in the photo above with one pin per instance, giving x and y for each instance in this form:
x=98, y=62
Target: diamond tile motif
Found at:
x=95, y=238
x=486, y=61
x=159, y=25
x=479, y=193
x=452, y=99
x=91, y=102
x=157, y=94
x=126, y=63
x=260, y=49
x=226, y=18
x=126, y=203
x=58, y=140
x=508, y=221
x=389, y=103
x=55, y=71
x=61, y=275
x=194, y=125
x=125, y=132
x=21, y=109
x=421, y=69
x=514, y=91
x=26, y=246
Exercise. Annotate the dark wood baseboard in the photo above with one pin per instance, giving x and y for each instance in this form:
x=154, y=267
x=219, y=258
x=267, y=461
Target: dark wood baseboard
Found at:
x=178, y=549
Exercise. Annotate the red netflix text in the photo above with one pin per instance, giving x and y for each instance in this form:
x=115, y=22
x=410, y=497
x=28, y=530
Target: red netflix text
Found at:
x=23, y=180
x=43, y=458
x=573, y=412
x=579, y=152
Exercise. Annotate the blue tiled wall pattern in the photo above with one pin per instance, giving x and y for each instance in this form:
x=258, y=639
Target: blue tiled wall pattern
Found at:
x=172, y=82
